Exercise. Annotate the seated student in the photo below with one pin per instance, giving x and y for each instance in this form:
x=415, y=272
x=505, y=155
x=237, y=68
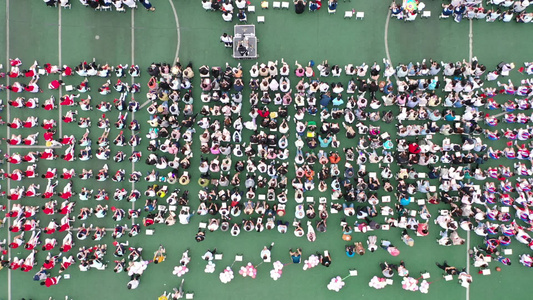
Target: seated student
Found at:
x=266, y=252
x=299, y=6
x=314, y=5
x=332, y=4
x=448, y=269
x=325, y=259
x=296, y=256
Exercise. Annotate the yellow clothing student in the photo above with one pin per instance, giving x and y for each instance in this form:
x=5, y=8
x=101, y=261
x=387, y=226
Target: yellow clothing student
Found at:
x=159, y=255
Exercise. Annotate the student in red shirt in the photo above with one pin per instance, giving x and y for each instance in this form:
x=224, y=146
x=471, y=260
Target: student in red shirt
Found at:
x=49, y=103
x=16, y=194
x=29, y=73
x=49, y=207
x=16, y=175
x=30, y=225
x=30, y=171
x=17, y=241
x=51, y=228
x=18, y=102
x=16, y=87
x=70, y=116
x=15, y=140
x=67, y=243
x=65, y=224
x=66, y=263
x=16, y=263
x=55, y=84
x=16, y=124
x=14, y=73
x=29, y=262
x=15, y=62
x=67, y=71
x=49, y=244
x=48, y=124
x=33, y=241
x=50, y=262
x=14, y=159
x=49, y=135
x=30, y=122
x=67, y=174
x=48, y=154
x=50, y=173
x=48, y=282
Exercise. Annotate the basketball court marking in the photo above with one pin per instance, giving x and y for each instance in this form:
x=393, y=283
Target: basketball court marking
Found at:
x=132, y=113
x=60, y=125
x=178, y=35
x=8, y=93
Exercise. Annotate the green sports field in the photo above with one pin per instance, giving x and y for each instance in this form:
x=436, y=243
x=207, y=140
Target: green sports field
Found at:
x=183, y=29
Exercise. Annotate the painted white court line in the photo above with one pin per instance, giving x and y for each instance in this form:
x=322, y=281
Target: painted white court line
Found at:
x=177, y=31
x=132, y=39
x=133, y=113
x=386, y=39
x=8, y=95
x=59, y=46
x=33, y=146
x=471, y=42
x=106, y=229
x=145, y=103
x=467, y=262
x=470, y=55
x=500, y=114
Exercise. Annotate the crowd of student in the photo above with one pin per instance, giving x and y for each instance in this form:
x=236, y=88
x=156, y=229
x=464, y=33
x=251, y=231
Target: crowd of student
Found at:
x=24, y=216
x=254, y=147
x=118, y=5
x=500, y=10
x=241, y=8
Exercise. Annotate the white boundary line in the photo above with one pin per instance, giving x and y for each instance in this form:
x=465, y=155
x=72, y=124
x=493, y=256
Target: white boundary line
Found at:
x=106, y=229
x=59, y=46
x=500, y=114
x=145, y=103
x=471, y=42
x=8, y=149
x=470, y=55
x=133, y=113
x=33, y=146
x=386, y=39
x=387, y=36
x=177, y=31
x=468, y=262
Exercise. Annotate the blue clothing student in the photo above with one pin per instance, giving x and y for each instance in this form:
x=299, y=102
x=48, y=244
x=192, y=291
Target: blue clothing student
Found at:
x=388, y=88
x=296, y=256
x=449, y=117
x=324, y=142
x=432, y=85
x=325, y=100
x=147, y=5
x=447, y=11
x=434, y=115
x=405, y=201
x=313, y=6
x=337, y=101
